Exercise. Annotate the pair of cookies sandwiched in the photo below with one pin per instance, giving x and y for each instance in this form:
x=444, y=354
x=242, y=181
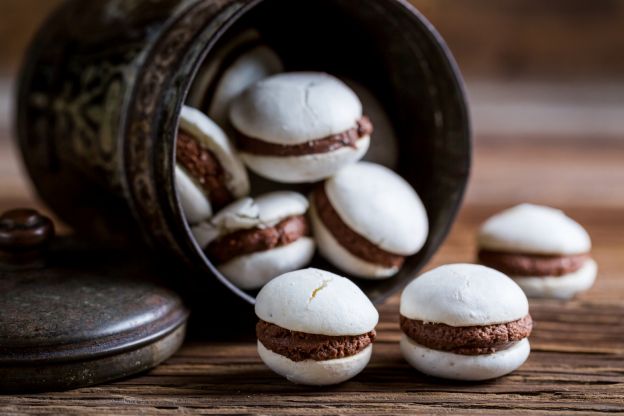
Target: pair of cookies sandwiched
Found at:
x=315, y=327
x=255, y=239
x=546, y=252
x=208, y=174
x=465, y=322
x=300, y=127
x=367, y=220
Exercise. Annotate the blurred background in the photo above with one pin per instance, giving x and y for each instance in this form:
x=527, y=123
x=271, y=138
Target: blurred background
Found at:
x=549, y=73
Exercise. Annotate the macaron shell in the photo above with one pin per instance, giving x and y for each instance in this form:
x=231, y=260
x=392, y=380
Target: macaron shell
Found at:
x=307, y=168
x=275, y=206
x=559, y=287
x=534, y=229
x=464, y=367
x=294, y=108
x=254, y=270
x=264, y=211
x=213, y=138
x=210, y=69
x=464, y=295
x=195, y=204
x=249, y=68
x=341, y=257
x=381, y=206
x=316, y=373
x=316, y=302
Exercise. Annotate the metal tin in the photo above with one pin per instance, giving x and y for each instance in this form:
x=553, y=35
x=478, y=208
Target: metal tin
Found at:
x=87, y=316
x=104, y=82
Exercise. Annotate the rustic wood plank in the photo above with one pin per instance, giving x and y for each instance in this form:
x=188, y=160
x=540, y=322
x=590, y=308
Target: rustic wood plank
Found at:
x=507, y=39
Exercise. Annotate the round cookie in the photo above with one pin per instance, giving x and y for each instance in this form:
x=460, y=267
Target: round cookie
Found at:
x=236, y=65
x=194, y=202
x=546, y=252
x=470, y=367
x=255, y=239
x=300, y=127
x=465, y=322
x=208, y=74
x=208, y=172
x=252, y=66
x=367, y=219
x=315, y=327
x=534, y=229
x=316, y=373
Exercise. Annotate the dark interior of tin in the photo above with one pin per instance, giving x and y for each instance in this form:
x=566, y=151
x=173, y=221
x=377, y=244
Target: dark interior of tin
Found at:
x=388, y=48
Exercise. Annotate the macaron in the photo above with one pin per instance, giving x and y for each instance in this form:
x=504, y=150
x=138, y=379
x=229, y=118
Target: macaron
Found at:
x=465, y=322
x=254, y=240
x=546, y=252
x=367, y=220
x=315, y=327
x=238, y=64
x=300, y=127
x=208, y=173
x=250, y=67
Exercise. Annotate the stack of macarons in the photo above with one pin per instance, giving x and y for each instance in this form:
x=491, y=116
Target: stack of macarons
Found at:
x=299, y=131
x=309, y=132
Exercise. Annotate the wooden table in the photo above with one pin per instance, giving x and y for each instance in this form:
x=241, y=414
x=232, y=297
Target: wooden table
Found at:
x=577, y=361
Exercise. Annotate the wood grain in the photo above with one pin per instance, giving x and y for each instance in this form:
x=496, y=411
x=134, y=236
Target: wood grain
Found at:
x=577, y=362
x=503, y=39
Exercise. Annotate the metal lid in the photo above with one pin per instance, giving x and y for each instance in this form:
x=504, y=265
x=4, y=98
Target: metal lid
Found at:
x=78, y=308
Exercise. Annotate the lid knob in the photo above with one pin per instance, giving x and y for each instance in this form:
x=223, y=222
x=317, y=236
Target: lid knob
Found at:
x=24, y=234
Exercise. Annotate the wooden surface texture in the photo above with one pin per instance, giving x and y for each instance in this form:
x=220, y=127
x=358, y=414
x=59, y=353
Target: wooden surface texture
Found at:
x=577, y=362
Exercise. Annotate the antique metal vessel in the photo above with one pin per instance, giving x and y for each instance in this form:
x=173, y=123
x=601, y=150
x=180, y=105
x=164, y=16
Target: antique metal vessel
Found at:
x=104, y=82
x=74, y=314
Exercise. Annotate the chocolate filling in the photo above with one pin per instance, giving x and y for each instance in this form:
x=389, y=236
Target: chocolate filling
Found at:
x=253, y=240
x=299, y=346
x=349, y=239
x=519, y=265
x=205, y=168
x=348, y=138
x=467, y=340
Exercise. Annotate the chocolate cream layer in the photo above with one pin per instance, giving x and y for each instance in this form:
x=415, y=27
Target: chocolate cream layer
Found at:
x=348, y=138
x=300, y=346
x=467, y=340
x=353, y=242
x=253, y=240
x=517, y=264
x=203, y=166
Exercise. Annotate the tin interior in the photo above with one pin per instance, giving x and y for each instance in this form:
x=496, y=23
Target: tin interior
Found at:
x=391, y=49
